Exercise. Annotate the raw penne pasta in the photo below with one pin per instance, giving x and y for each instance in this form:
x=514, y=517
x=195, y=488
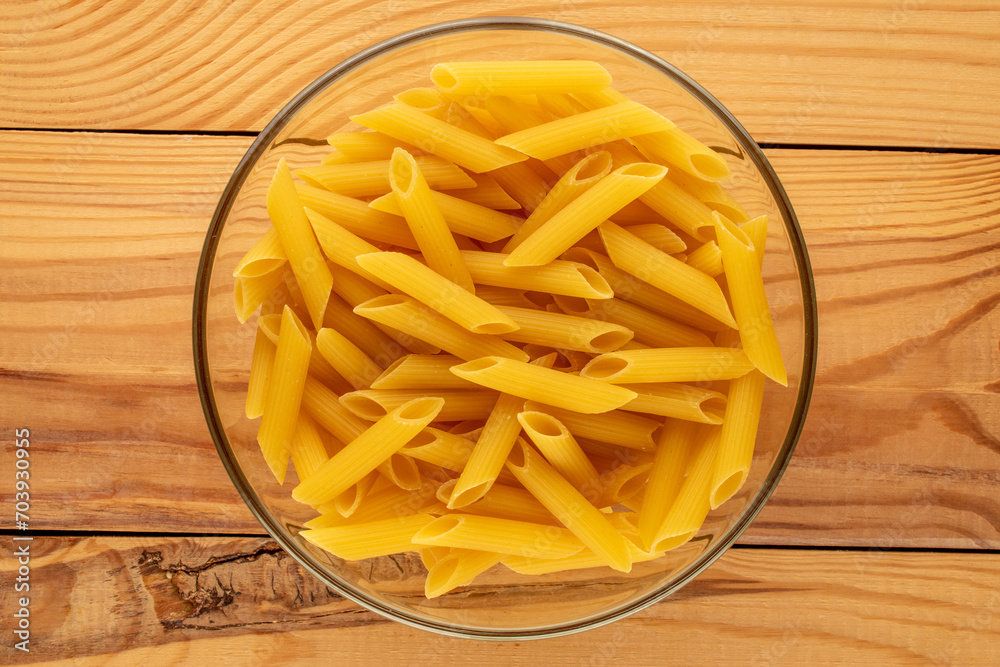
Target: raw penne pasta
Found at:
x=347, y=358
x=646, y=326
x=261, y=365
x=368, y=540
x=561, y=449
x=459, y=568
x=308, y=451
x=299, y=243
x=461, y=216
x=432, y=445
x=425, y=220
x=519, y=77
x=283, y=395
x=645, y=262
x=659, y=236
x=756, y=231
x=558, y=330
x=581, y=177
x=487, y=193
x=459, y=404
x=438, y=137
x=505, y=296
x=356, y=217
x=503, y=536
x=680, y=401
x=367, y=146
x=569, y=506
x=406, y=314
x=707, y=258
x=672, y=364
x=425, y=100
x=615, y=427
x=556, y=277
x=422, y=371
x=712, y=194
x=508, y=502
x=249, y=292
x=677, y=442
x=521, y=182
x=343, y=247
x=366, y=179
x=537, y=383
x=374, y=342
x=691, y=505
x=265, y=256
x=368, y=450
x=459, y=305
x=739, y=428
x=586, y=212
x=746, y=290
x=587, y=129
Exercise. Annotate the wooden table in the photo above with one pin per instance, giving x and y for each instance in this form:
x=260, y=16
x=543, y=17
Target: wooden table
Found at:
x=122, y=122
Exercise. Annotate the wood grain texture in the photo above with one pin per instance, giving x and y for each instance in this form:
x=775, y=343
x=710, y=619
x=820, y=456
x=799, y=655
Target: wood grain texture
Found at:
x=100, y=251
x=125, y=601
x=891, y=72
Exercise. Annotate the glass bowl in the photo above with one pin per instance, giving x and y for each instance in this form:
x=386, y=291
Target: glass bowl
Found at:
x=500, y=604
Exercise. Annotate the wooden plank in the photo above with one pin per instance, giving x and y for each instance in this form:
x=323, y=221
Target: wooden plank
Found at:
x=127, y=601
x=891, y=72
x=899, y=449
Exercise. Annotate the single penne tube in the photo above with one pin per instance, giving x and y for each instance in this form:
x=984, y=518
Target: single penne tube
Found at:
x=426, y=100
x=519, y=77
x=711, y=194
x=371, y=340
x=461, y=216
x=406, y=314
x=366, y=146
x=691, y=505
x=369, y=540
x=348, y=501
x=678, y=148
x=562, y=331
x=641, y=293
x=646, y=326
x=659, y=236
x=426, y=222
x=265, y=256
x=585, y=130
x=367, y=179
x=581, y=177
x=283, y=396
x=422, y=371
x=356, y=217
x=681, y=208
x=297, y=239
x=707, y=258
x=645, y=262
x=342, y=247
x=521, y=182
x=347, y=358
x=677, y=443
x=756, y=231
x=459, y=568
x=261, y=365
x=506, y=502
x=367, y=451
x=746, y=290
x=308, y=451
x=556, y=277
x=561, y=449
x=459, y=404
x=448, y=450
x=615, y=427
x=504, y=296
x=537, y=383
x=503, y=536
x=459, y=305
x=739, y=431
x=249, y=292
x=669, y=364
x=459, y=146
x=487, y=193
x=620, y=483
x=584, y=520
x=324, y=406
x=585, y=213
x=680, y=401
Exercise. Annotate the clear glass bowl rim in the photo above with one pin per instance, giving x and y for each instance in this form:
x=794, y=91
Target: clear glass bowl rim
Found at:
x=268, y=134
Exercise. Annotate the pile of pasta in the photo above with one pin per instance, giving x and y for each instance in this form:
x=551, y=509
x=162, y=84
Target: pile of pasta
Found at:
x=516, y=319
